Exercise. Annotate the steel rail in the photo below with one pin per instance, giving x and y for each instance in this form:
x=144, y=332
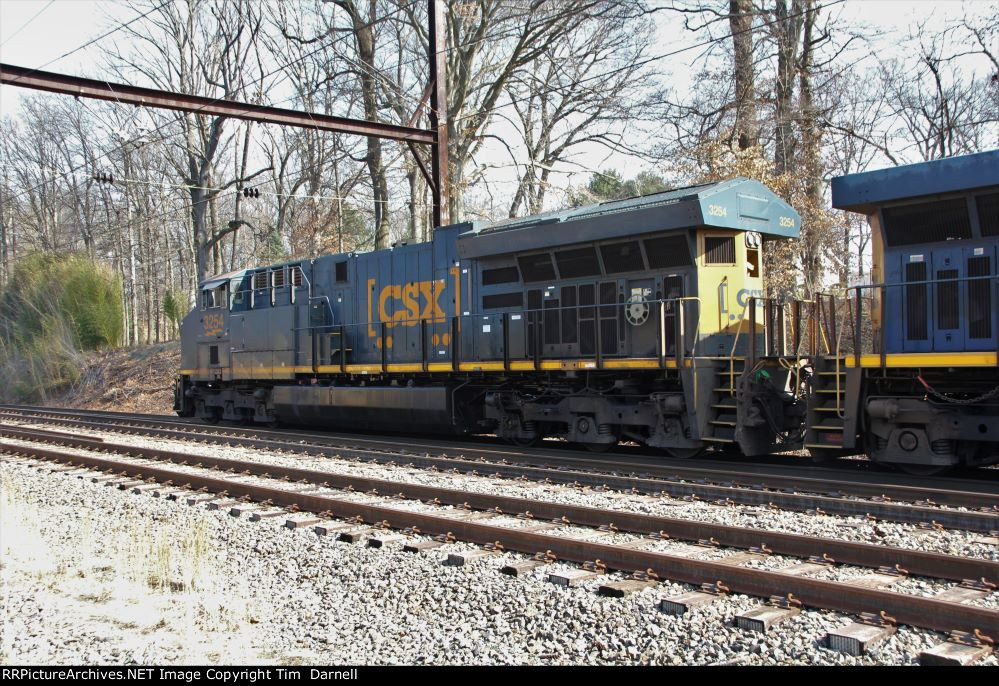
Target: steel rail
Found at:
x=969, y=495
x=755, y=495
x=862, y=554
x=929, y=613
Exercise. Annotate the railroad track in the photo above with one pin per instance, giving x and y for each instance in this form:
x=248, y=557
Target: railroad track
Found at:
x=651, y=547
x=636, y=462
x=927, y=506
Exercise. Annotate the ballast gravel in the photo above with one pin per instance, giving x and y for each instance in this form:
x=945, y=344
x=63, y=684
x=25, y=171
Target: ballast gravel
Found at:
x=96, y=575
x=854, y=528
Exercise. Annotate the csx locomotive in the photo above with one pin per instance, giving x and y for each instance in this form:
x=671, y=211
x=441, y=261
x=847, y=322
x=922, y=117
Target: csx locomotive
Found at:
x=641, y=320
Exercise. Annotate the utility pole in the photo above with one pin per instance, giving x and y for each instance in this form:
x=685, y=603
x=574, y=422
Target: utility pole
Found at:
x=437, y=56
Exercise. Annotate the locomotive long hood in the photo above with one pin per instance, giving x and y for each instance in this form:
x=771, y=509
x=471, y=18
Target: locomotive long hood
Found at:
x=739, y=203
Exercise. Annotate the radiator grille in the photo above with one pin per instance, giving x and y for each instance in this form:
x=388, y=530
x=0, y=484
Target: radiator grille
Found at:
x=578, y=262
x=927, y=222
x=948, y=314
x=719, y=250
x=916, y=326
x=536, y=267
x=667, y=251
x=622, y=257
x=988, y=214
x=980, y=298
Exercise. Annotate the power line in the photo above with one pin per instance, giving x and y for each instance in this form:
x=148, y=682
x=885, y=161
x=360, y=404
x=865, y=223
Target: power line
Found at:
x=33, y=17
x=655, y=58
x=118, y=27
x=207, y=104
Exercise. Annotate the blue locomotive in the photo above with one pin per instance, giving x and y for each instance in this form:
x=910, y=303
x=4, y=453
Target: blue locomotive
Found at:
x=642, y=320
x=922, y=390
x=629, y=320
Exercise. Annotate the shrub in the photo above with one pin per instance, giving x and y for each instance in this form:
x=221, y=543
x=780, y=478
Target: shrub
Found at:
x=52, y=309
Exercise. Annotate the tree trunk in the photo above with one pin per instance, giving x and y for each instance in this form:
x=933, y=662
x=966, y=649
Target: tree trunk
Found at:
x=788, y=30
x=740, y=20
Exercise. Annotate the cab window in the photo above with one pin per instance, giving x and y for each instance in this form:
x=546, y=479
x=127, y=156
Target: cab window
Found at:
x=212, y=298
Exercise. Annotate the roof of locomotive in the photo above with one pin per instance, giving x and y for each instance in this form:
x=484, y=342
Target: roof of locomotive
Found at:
x=740, y=203
x=863, y=192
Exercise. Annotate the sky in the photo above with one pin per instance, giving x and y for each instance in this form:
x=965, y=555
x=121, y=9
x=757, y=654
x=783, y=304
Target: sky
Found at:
x=37, y=33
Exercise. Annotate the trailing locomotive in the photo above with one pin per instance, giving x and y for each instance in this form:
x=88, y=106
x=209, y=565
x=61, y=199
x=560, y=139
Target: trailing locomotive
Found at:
x=628, y=320
x=921, y=387
x=638, y=320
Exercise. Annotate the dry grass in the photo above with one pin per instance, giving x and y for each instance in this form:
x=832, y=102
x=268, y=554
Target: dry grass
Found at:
x=133, y=582
x=138, y=379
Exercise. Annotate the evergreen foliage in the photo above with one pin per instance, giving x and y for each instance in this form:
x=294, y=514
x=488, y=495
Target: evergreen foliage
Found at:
x=52, y=309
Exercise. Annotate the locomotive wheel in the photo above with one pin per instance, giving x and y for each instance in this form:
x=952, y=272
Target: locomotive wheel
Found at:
x=521, y=442
x=598, y=447
x=925, y=469
x=822, y=455
x=684, y=453
x=213, y=418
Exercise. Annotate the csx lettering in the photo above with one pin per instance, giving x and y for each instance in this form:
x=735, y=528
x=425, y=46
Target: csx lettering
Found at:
x=743, y=296
x=407, y=304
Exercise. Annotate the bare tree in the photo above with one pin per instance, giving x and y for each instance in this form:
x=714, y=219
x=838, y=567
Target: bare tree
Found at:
x=587, y=88
x=205, y=49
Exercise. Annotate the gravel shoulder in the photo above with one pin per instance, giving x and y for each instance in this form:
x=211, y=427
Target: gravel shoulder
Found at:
x=95, y=575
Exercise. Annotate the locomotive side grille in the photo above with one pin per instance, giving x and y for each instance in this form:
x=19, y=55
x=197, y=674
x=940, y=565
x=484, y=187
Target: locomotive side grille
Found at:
x=491, y=277
x=503, y=300
x=533, y=319
x=719, y=250
x=916, y=326
x=667, y=252
x=587, y=324
x=536, y=267
x=988, y=214
x=948, y=308
x=608, y=336
x=673, y=287
x=608, y=318
x=577, y=263
x=622, y=257
x=980, y=298
x=552, y=321
x=927, y=222
x=569, y=316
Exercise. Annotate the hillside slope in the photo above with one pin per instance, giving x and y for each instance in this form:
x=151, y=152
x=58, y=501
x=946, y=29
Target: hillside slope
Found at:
x=137, y=379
